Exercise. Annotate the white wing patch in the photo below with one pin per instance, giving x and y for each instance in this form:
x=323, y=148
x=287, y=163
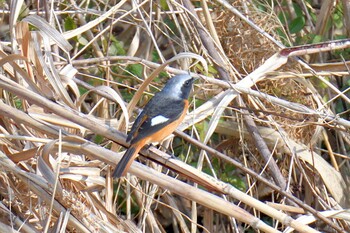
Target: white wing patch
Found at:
x=158, y=120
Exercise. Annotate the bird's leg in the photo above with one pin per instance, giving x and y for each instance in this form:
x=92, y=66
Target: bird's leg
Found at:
x=148, y=146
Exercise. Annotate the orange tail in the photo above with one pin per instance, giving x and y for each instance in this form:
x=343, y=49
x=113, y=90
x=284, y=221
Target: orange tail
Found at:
x=126, y=161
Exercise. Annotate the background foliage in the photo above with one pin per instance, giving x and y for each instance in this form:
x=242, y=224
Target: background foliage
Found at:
x=264, y=146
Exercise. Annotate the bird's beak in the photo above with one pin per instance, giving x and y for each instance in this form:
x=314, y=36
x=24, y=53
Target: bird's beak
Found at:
x=195, y=79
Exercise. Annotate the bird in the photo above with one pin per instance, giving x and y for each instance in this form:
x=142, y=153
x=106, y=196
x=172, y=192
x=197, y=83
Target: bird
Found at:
x=159, y=118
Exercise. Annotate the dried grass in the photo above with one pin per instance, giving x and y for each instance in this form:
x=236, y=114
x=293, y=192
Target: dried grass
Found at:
x=67, y=97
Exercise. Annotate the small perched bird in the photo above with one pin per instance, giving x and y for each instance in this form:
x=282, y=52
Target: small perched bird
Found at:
x=160, y=117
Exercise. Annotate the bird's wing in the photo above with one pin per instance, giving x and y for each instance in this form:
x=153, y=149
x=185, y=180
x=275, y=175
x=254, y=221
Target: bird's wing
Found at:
x=158, y=113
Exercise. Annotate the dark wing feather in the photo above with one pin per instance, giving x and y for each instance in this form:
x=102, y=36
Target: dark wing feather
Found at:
x=158, y=105
x=140, y=119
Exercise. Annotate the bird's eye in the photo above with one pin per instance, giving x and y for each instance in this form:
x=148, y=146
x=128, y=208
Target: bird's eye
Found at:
x=187, y=82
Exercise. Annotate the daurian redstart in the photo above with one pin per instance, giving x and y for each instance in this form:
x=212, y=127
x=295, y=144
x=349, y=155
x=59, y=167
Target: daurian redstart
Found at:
x=160, y=117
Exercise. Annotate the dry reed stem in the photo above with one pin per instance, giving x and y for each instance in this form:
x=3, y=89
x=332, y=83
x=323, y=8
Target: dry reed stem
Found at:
x=49, y=184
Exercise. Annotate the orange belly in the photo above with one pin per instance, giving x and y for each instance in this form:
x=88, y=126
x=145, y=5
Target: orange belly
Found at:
x=169, y=129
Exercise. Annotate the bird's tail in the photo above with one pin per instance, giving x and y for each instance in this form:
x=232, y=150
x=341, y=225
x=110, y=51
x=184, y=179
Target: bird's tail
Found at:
x=126, y=161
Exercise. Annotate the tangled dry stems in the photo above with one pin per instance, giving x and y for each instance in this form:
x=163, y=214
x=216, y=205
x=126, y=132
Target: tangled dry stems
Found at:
x=52, y=183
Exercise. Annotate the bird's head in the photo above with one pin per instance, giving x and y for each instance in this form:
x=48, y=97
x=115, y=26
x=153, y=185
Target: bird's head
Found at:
x=179, y=86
